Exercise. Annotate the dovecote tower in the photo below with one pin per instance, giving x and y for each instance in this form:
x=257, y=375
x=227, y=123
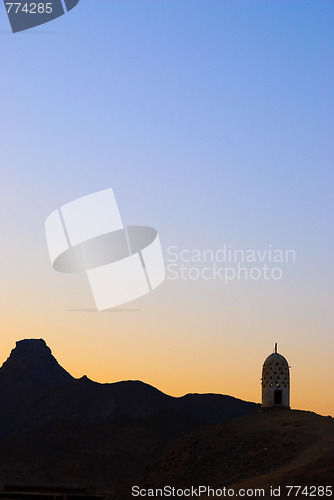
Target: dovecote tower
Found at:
x=275, y=381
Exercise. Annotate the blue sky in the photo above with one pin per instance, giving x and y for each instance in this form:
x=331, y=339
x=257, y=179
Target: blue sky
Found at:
x=211, y=120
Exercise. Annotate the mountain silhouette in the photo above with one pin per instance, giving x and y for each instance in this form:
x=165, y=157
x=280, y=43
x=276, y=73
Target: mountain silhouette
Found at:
x=32, y=365
x=122, y=426
x=59, y=430
x=32, y=378
x=29, y=371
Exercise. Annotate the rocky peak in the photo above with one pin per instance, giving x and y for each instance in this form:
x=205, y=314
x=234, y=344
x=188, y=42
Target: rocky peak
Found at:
x=32, y=362
x=31, y=347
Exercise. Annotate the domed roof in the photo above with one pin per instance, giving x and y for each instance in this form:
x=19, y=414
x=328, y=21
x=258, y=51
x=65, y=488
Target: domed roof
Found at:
x=274, y=358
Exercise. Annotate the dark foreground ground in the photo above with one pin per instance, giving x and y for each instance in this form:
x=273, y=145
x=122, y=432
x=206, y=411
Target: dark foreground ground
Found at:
x=79, y=437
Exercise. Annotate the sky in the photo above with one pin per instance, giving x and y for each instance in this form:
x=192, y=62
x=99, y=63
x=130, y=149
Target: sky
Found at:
x=213, y=122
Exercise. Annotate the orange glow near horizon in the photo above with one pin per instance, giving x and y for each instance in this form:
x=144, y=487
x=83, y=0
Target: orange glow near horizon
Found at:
x=213, y=127
x=147, y=345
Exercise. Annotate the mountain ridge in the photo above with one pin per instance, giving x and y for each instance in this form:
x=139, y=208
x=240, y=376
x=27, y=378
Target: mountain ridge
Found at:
x=32, y=379
x=92, y=429
x=59, y=430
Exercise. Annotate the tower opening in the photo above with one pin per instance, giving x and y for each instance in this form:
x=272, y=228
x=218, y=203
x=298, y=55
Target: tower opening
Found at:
x=277, y=397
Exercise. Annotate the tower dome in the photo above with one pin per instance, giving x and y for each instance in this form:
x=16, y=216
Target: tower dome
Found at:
x=275, y=381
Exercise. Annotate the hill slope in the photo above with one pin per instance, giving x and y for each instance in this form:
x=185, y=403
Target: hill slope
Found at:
x=273, y=448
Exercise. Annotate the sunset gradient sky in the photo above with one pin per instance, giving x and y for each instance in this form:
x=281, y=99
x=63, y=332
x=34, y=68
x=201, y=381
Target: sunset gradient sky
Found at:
x=212, y=120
